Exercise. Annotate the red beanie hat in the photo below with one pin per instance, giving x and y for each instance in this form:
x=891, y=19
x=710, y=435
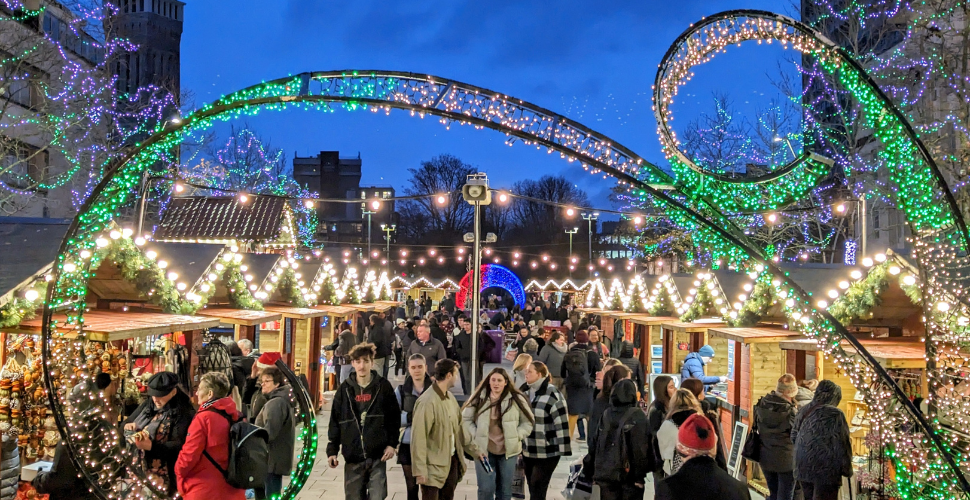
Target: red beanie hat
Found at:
x=697, y=432
x=268, y=359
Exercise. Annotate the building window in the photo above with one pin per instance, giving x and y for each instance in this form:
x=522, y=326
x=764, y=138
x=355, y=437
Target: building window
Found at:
x=386, y=194
x=359, y=228
x=22, y=166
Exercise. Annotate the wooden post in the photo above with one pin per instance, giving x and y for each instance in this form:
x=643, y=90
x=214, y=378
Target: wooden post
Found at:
x=193, y=341
x=246, y=332
x=313, y=370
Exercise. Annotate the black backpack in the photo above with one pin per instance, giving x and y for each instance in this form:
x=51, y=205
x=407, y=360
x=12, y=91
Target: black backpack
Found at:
x=613, y=450
x=577, y=368
x=248, y=454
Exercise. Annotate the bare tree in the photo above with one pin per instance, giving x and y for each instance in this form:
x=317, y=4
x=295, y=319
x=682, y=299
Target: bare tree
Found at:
x=423, y=220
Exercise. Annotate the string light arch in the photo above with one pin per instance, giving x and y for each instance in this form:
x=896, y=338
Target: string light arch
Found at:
x=492, y=275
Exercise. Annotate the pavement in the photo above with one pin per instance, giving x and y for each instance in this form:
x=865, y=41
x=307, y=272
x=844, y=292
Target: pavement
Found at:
x=327, y=484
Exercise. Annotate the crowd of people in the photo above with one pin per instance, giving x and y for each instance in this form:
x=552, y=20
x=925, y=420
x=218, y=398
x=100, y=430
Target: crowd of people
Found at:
x=184, y=442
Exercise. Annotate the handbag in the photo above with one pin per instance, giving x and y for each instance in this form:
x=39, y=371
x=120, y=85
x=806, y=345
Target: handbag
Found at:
x=578, y=487
x=518, y=480
x=752, y=446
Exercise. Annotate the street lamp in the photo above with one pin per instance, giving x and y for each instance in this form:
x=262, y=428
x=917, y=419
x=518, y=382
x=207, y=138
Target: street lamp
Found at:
x=590, y=218
x=375, y=205
x=476, y=192
x=388, y=229
x=571, y=232
x=779, y=139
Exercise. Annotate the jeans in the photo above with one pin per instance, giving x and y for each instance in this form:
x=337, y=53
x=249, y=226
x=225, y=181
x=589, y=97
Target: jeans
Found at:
x=379, y=365
x=538, y=473
x=466, y=377
x=446, y=492
x=365, y=480
x=497, y=484
x=781, y=485
x=272, y=486
x=820, y=491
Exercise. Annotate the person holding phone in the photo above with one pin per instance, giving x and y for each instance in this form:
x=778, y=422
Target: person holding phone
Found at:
x=496, y=419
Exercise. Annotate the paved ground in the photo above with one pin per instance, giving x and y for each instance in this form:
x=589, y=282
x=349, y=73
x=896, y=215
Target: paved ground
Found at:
x=327, y=484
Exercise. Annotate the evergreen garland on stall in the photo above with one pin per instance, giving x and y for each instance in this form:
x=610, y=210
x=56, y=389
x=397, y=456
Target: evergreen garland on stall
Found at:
x=371, y=295
x=289, y=288
x=862, y=296
x=759, y=302
x=663, y=305
x=617, y=303
x=636, y=301
x=19, y=309
x=239, y=294
x=150, y=279
x=328, y=292
x=352, y=296
x=703, y=303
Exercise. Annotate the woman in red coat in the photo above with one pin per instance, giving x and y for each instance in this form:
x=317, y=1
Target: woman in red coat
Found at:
x=197, y=478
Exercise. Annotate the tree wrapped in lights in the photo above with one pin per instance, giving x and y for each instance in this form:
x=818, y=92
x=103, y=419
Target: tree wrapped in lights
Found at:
x=663, y=304
x=638, y=295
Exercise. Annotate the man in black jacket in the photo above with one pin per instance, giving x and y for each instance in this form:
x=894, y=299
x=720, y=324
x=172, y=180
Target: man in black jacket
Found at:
x=619, y=443
x=700, y=477
x=364, y=424
x=378, y=335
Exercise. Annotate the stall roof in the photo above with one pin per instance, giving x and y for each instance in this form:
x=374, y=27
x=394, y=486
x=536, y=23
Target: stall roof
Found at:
x=107, y=326
x=296, y=312
x=30, y=246
x=243, y=317
x=697, y=326
x=754, y=335
x=259, y=265
x=646, y=319
x=339, y=311
x=188, y=260
x=222, y=218
x=384, y=305
x=893, y=352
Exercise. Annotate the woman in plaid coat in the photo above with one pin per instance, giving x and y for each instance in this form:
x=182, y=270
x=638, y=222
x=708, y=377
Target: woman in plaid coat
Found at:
x=549, y=440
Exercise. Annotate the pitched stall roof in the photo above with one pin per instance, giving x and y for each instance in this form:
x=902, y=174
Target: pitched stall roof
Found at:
x=107, y=326
x=243, y=317
x=188, y=260
x=28, y=247
x=222, y=219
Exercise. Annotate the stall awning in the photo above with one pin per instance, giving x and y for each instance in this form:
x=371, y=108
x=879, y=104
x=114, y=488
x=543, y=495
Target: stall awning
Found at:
x=754, y=335
x=296, y=312
x=897, y=355
x=646, y=319
x=384, y=305
x=107, y=326
x=242, y=317
x=697, y=326
x=336, y=311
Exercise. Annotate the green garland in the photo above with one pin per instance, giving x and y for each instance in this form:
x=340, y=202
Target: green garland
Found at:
x=352, y=296
x=758, y=304
x=862, y=296
x=616, y=304
x=371, y=296
x=328, y=293
x=289, y=288
x=19, y=309
x=663, y=305
x=636, y=304
x=703, y=304
x=150, y=280
x=385, y=293
x=239, y=294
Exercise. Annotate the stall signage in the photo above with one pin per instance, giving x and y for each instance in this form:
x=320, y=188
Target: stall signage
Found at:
x=730, y=354
x=287, y=335
x=737, y=441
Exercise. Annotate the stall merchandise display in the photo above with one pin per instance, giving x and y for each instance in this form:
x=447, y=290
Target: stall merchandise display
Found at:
x=24, y=409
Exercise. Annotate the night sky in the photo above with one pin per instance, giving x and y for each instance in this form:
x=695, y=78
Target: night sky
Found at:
x=591, y=61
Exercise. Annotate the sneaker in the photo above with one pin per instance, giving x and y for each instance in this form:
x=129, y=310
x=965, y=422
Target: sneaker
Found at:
x=581, y=439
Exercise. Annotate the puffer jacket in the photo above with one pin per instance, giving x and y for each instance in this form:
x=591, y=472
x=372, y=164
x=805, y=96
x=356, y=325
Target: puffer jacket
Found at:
x=804, y=397
x=198, y=479
x=774, y=417
x=823, y=452
x=9, y=468
x=694, y=368
x=517, y=423
x=277, y=417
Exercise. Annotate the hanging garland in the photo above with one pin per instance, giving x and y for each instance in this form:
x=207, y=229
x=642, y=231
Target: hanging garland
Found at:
x=19, y=309
x=758, y=304
x=147, y=276
x=290, y=288
x=616, y=304
x=663, y=305
x=352, y=296
x=239, y=295
x=863, y=296
x=703, y=304
x=328, y=293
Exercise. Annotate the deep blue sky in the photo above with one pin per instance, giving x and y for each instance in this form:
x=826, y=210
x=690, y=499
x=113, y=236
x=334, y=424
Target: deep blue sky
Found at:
x=592, y=61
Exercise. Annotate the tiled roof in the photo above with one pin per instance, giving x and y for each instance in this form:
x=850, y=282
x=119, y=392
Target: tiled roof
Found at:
x=27, y=246
x=259, y=219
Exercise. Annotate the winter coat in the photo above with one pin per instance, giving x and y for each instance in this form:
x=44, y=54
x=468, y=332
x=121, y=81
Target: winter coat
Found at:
x=636, y=367
x=624, y=397
x=404, y=338
x=700, y=477
x=245, y=365
x=10, y=468
x=432, y=350
x=667, y=437
x=439, y=334
x=774, y=417
x=579, y=393
x=406, y=398
x=61, y=481
x=694, y=368
x=601, y=403
x=179, y=413
x=463, y=346
x=519, y=343
x=277, y=417
x=550, y=435
x=198, y=479
x=341, y=347
x=552, y=355
x=804, y=397
x=378, y=336
x=359, y=440
x=436, y=436
x=655, y=419
x=823, y=452
x=516, y=426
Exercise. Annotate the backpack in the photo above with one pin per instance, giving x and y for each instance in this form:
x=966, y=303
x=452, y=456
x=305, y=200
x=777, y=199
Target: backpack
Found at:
x=613, y=451
x=248, y=454
x=577, y=368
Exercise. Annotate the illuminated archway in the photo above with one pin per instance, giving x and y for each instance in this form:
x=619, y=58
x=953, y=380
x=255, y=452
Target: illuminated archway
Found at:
x=492, y=275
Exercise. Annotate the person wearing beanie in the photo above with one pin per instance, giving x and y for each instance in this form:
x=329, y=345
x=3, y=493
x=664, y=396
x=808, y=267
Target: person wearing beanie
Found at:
x=823, y=452
x=579, y=368
x=806, y=391
x=617, y=454
x=699, y=476
x=774, y=416
x=694, y=367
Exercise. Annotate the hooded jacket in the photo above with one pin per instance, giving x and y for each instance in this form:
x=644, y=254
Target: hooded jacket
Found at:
x=579, y=393
x=694, y=368
x=277, y=417
x=360, y=438
x=823, y=452
x=552, y=356
x=624, y=397
x=432, y=350
x=636, y=368
x=804, y=397
x=774, y=417
x=342, y=346
x=198, y=479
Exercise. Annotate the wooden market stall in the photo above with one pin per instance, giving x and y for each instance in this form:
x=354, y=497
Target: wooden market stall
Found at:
x=680, y=339
x=245, y=322
x=643, y=330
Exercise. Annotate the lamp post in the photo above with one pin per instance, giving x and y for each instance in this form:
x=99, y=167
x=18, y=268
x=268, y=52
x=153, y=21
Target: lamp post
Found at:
x=375, y=205
x=388, y=229
x=590, y=218
x=571, y=232
x=476, y=192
